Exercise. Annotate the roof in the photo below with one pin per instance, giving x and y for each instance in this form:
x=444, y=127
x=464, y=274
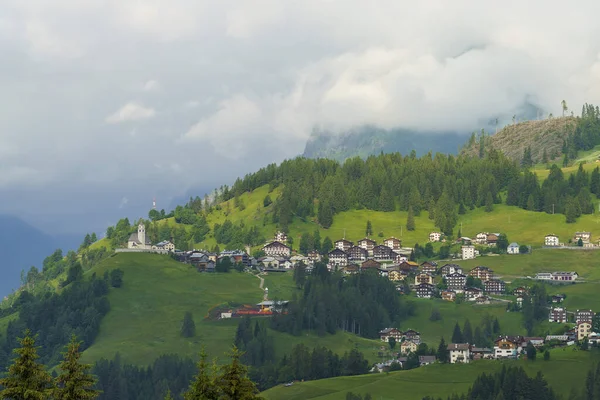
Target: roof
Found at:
x=428, y=359
x=134, y=238
x=276, y=243
x=458, y=346
x=337, y=252
x=513, y=244
x=481, y=350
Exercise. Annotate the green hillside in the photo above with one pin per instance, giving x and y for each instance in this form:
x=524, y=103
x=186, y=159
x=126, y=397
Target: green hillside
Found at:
x=146, y=313
x=567, y=369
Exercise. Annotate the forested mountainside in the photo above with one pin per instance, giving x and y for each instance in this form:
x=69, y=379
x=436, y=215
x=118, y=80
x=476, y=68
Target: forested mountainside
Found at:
x=542, y=141
x=370, y=140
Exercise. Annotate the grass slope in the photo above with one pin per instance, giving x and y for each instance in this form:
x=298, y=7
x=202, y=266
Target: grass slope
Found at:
x=567, y=369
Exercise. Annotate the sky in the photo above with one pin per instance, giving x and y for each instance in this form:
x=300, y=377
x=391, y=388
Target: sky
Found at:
x=107, y=104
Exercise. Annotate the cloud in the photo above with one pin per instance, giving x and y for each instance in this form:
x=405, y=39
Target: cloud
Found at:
x=249, y=81
x=131, y=112
x=151, y=86
x=123, y=202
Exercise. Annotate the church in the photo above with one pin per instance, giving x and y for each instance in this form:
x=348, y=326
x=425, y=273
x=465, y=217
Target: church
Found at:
x=138, y=240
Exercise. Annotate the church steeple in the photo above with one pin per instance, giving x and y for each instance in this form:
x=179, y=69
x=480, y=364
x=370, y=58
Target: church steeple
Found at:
x=142, y=234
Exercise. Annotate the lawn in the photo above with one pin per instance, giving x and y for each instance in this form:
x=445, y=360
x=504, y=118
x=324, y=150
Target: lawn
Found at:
x=566, y=369
x=147, y=311
x=280, y=284
x=432, y=331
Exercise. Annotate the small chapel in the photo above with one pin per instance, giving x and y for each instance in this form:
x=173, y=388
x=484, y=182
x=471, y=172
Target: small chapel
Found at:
x=138, y=240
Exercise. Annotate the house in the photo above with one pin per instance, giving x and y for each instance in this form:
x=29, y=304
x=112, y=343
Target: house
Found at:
x=459, y=353
x=393, y=243
x=383, y=253
x=450, y=269
x=494, y=286
x=482, y=353
x=481, y=238
x=543, y=276
x=338, y=257
x=449, y=295
x=408, y=346
x=367, y=244
x=482, y=273
x=383, y=272
x=472, y=293
x=551, y=240
x=535, y=341
x=350, y=269
x=594, y=338
x=138, y=240
x=286, y=264
x=558, y=298
x=356, y=253
x=387, y=333
x=492, y=239
x=277, y=249
x=412, y=335
x=584, y=315
x=562, y=276
x=399, y=258
x=468, y=252
x=429, y=267
x=425, y=290
x=584, y=329
x=513, y=248
x=370, y=264
x=586, y=237
x=521, y=291
x=423, y=278
x=236, y=257
x=435, y=236
x=343, y=244
x=396, y=275
x=558, y=314
x=507, y=347
x=409, y=266
x=558, y=338
x=483, y=300
x=280, y=237
x=164, y=245
x=426, y=360
x=456, y=282
x=314, y=256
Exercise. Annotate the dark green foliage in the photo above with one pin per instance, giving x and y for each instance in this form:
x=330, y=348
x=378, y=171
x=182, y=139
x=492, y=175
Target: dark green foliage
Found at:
x=523, y=249
x=327, y=245
x=200, y=229
x=360, y=304
x=223, y=265
x=535, y=307
x=78, y=310
x=26, y=378
x=410, y=220
x=442, y=351
x=474, y=282
x=188, y=327
x=116, y=278
x=237, y=236
x=74, y=273
x=299, y=276
x=435, y=315
x=267, y=201
x=531, y=352
x=527, y=161
x=369, y=229
x=489, y=203
x=74, y=381
x=184, y=215
x=467, y=332
x=457, y=336
x=502, y=243
x=392, y=343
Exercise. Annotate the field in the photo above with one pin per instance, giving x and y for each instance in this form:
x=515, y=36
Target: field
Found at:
x=566, y=369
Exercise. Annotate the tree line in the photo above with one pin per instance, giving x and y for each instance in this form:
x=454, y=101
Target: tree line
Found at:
x=360, y=304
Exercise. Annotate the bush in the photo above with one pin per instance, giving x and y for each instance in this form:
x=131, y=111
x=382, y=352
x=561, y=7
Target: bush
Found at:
x=116, y=278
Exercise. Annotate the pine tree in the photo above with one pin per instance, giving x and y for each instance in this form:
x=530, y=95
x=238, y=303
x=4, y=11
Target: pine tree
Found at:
x=530, y=203
x=410, y=220
x=203, y=387
x=74, y=382
x=442, y=351
x=327, y=245
x=369, y=229
x=467, y=332
x=489, y=202
x=233, y=382
x=188, y=327
x=545, y=157
x=457, y=336
x=26, y=378
x=461, y=208
x=168, y=395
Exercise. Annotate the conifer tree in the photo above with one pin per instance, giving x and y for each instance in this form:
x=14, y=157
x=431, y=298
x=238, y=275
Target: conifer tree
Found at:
x=457, y=336
x=188, y=327
x=410, y=220
x=442, y=351
x=327, y=245
x=74, y=382
x=369, y=229
x=203, y=387
x=545, y=157
x=26, y=378
x=168, y=395
x=233, y=382
x=467, y=332
x=489, y=202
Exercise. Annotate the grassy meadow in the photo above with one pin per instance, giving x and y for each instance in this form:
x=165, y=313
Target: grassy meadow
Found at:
x=566, y=369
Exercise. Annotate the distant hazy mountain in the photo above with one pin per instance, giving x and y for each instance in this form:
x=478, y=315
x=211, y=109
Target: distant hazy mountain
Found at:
x=368, y=140
x=21, y=246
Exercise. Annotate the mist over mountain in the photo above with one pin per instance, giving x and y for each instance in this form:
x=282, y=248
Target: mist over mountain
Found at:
x=370, y=140
x=22, y=246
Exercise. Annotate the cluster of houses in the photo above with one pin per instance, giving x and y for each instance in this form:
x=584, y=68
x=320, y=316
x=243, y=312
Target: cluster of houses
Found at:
x=206, y=261
x=579, y=239
x=468, y=250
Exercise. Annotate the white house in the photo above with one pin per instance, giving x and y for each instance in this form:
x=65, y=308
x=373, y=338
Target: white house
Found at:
x=513, y=248
x=277, y=249
x=551, y=240
x=481, y=238
x=543, y=276
x=468, y=252
x=459, y=353
x=585, y=237
x=138, y=240
x=164, y=245
x=435, y=236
